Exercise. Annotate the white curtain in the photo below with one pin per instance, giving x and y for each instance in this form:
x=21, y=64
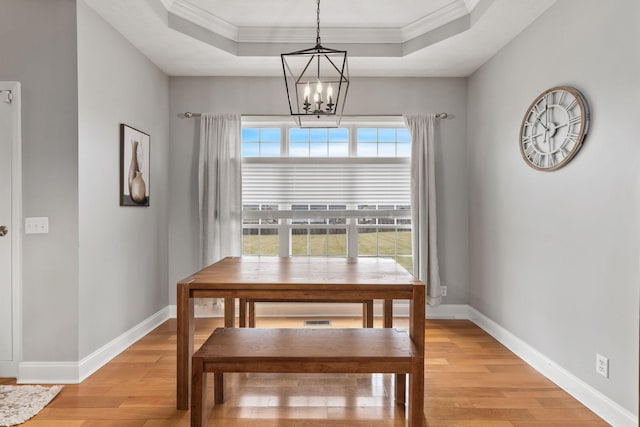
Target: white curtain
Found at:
x=423, y=204
x=220, y=187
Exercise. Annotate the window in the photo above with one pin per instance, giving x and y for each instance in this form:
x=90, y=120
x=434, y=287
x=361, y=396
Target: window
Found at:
x=384, y=142
x=318, y=142
x=327, y=192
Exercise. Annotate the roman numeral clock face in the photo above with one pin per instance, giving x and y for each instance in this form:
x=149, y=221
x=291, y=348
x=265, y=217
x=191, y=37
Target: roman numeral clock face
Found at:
x=554, y=128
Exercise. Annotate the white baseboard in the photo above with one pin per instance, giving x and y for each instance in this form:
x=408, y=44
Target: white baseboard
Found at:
x=48, y=373
x=8, y=369
x=448, y=311
x=604, y=407
x=76, y=372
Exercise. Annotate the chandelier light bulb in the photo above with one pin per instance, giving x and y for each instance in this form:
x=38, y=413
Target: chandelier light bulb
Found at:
x=307, y=92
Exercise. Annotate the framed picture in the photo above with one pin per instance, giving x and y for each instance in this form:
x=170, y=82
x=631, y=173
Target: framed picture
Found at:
x=134, y=167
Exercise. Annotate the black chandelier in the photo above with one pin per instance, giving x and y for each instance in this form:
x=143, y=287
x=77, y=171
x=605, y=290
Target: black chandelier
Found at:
x=317, y=80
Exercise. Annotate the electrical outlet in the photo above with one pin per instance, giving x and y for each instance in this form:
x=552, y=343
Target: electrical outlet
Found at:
x=443, y=291
x=602, y=365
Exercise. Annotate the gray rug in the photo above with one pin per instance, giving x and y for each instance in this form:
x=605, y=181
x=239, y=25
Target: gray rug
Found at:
x=18, y=403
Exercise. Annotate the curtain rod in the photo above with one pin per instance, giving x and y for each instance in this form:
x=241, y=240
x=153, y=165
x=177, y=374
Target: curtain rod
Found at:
x=189, y=115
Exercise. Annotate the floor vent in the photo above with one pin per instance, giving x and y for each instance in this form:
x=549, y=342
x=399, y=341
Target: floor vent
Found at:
x=317, y=323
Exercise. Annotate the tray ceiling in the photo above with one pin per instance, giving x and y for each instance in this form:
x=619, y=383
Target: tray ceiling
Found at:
x=449, y=38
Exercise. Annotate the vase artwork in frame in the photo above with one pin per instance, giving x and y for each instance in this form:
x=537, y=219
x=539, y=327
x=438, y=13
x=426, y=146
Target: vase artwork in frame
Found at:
x=134, y=167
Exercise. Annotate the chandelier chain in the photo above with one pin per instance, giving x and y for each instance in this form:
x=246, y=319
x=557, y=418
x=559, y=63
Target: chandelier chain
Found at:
x=318, y=23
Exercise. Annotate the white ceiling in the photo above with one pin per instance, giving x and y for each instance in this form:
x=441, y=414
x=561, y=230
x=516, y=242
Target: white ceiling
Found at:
x=383, y=37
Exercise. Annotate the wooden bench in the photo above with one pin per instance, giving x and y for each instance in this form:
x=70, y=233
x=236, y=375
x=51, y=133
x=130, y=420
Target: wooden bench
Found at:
x=307, y=351
x=367, y=309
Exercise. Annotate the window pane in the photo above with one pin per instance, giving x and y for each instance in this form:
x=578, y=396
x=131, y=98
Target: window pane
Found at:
x=339, y=135
x=318, y=149
x=338, y=149
x=298, y=135
x=336, y=221
x=250, y=241
x=299, y=242
x=386, y=220
x=337, y=242
x=250, y=135
x=386, y=135
x=250, y=208
x=270, y=149
x=386, y=149
x=388, y=142
x=269, y=243
x=367, y=134
x=250, y=149
x=299, y=149
x=367, y=242
x=261, y=142
x=366, y=220
x=273, y=221
x=318, y=242
x=319, y=135
x=367, y=149
x=404, y=149
x=270, y=135
x=386, y=242
x=404, y=242
x=318, y=220
x=403, y=135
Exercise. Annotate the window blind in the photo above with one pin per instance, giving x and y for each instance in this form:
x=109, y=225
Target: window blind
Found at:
x=352, y=181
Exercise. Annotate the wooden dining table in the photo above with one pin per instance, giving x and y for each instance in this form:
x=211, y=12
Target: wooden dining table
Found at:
x=296, y=279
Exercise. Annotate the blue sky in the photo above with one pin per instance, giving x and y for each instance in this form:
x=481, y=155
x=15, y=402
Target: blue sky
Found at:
x=372, y=142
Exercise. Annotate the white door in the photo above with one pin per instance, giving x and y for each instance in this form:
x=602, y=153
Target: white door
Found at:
x=9, y=230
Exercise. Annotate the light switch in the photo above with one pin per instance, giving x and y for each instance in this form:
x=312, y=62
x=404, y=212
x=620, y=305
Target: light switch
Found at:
x=36, y=225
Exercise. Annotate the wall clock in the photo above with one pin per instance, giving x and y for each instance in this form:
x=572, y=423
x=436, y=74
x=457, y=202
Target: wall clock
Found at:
x=554, y=128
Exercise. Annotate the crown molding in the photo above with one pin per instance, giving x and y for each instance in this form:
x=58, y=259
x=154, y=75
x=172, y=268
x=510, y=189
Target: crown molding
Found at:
x=436, y=19
x=167, y=3
x=471, y=4
x=205, y=19
x=308, y=35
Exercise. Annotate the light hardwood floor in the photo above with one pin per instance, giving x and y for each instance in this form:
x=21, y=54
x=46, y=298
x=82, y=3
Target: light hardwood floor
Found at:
x=471, y=380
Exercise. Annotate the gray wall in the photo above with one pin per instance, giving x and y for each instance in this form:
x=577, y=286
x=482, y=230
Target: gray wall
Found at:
x=38, y=48
x=554, y=256
x=123, y=250
x=101, y=269
x=366, y=96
